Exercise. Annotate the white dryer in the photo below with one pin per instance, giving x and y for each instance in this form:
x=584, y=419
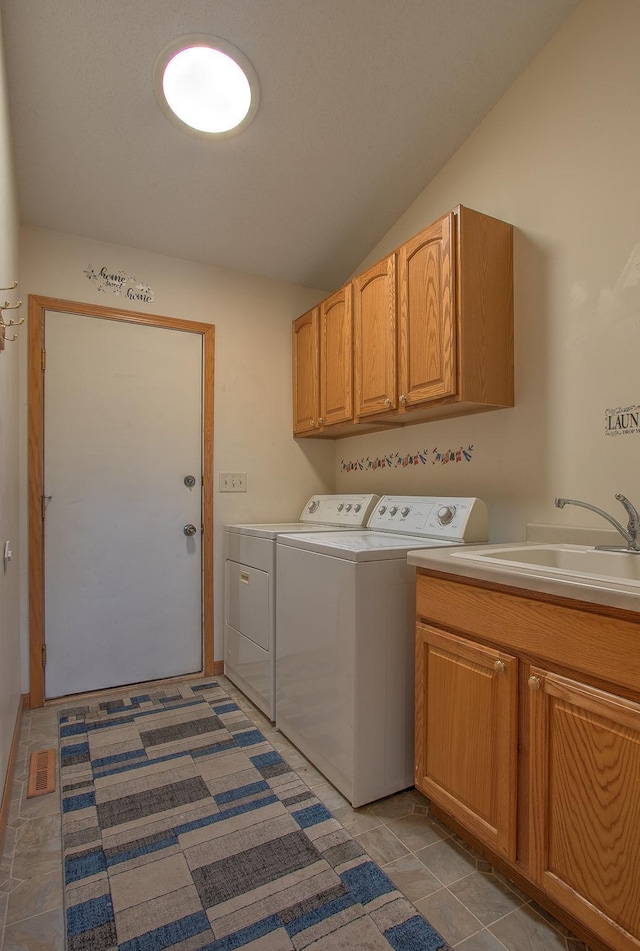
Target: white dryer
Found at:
x=250, y=588
x=345, y=647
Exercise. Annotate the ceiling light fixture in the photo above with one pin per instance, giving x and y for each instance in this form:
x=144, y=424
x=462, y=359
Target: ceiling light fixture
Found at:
x=206, y=83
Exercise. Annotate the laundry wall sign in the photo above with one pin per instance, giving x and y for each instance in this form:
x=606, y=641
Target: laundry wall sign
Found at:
x=119, y=282
x=621, y=421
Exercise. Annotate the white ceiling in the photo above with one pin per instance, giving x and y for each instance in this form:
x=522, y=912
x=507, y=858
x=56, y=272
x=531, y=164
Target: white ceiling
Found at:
x=362, y=102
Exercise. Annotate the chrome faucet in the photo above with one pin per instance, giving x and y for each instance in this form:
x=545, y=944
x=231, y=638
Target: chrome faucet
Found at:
x=630, y=533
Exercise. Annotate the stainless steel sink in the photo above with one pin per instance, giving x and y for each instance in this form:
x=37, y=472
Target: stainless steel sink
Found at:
x=566, y=561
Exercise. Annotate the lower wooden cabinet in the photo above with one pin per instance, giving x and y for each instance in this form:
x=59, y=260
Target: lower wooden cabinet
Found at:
x=539, y=763
x=466, y=734
x=585, y=803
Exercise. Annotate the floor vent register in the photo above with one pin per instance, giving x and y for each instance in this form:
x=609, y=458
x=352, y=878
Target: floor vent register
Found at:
x=42, y=773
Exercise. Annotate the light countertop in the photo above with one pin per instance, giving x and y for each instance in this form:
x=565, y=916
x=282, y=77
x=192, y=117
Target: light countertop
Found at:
x=625, y=596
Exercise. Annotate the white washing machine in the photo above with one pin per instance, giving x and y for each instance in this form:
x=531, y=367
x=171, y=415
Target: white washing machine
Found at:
x=345, y=647
x=250, y=589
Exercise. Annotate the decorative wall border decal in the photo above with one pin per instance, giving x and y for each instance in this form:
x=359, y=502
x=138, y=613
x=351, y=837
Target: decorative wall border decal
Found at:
x=119, y=283
x=397, y=461
x=622, y=421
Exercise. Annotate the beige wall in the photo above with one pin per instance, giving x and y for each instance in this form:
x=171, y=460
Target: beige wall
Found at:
x=559, y=157
x=9, y=580
x=253, y=318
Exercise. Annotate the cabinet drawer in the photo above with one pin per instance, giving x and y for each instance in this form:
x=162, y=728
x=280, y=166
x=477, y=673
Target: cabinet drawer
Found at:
x=595, y=645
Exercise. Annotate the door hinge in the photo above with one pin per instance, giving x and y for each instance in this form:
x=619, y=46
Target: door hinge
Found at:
x=44, y=655
x=43, y=503
x=43, y=359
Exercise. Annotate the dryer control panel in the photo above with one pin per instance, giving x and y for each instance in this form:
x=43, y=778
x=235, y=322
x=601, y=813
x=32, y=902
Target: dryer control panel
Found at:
x=352, y=511
x=463, y=520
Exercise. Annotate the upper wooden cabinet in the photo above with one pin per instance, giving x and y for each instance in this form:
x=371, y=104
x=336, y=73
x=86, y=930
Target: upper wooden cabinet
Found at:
x=374, y=297
x=323, y=366
x=455, y=318
x=427, y=345
x=336, y=359
x=306, y=373
x=432, y=328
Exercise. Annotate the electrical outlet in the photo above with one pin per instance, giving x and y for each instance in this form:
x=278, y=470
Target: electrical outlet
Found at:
x=233, y=481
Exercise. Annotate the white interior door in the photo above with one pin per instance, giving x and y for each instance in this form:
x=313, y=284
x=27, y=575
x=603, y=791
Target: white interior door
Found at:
x=122, y=430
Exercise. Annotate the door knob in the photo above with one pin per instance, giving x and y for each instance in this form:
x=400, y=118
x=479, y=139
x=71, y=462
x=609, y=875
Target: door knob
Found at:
x=189, y=529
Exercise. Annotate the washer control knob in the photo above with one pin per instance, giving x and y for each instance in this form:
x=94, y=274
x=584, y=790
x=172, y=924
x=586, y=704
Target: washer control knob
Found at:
x=349, y=507
x=357, y=507
x=382, y=510
x=313, y=506
x=405, y=511
x=340, y=506
x=393, y=510
x=446, y=513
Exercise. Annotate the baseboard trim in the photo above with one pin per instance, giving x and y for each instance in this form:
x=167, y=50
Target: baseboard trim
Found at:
x=143, y=685
x=23, y=704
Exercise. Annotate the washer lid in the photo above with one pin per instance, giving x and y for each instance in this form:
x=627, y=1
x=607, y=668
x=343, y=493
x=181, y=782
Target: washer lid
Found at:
x=273, y=529
x=361, y=546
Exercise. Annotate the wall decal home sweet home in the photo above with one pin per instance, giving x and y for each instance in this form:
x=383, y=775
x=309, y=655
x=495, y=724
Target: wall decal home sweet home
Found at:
x=118, y=282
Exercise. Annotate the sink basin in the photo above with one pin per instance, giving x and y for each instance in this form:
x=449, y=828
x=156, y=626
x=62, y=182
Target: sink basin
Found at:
x=566, y=561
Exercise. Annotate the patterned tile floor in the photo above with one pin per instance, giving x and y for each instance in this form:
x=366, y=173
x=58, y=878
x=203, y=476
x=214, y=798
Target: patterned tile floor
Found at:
x=473, y=907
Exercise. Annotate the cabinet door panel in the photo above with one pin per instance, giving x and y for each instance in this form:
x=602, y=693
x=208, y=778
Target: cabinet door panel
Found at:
x=427, y=366
x=306, y=376
x=466, y=733
x=336, y=360
x=375, y=338
x=585, y=803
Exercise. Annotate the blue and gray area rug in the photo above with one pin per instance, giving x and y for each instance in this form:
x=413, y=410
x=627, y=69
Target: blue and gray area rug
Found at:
x=184, y=829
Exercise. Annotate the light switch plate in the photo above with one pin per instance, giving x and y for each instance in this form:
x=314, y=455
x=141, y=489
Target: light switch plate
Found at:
x=233, y=482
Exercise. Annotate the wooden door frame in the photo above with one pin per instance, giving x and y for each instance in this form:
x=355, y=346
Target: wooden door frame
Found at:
x=37, y=308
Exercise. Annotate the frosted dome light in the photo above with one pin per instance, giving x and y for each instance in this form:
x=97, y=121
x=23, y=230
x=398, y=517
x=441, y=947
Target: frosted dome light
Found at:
x=207, y=84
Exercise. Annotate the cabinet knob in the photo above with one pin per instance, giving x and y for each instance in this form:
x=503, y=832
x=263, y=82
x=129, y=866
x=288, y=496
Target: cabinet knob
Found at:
x=321, y=420
x=403, y=399
x=499, y=667
x=387, y=402
x=534, y=682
